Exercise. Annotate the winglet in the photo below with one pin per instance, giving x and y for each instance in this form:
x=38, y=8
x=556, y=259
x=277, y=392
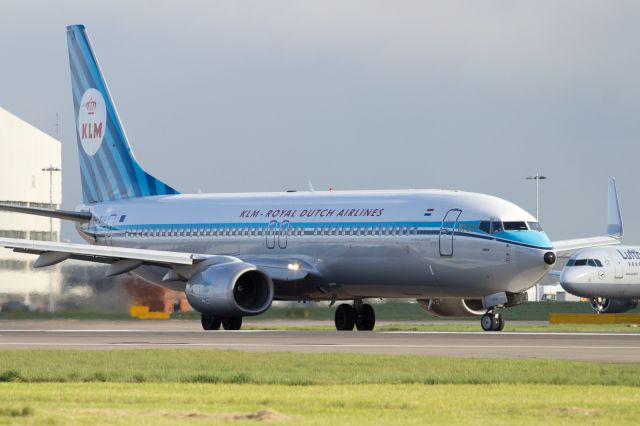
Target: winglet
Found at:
x=614, y=216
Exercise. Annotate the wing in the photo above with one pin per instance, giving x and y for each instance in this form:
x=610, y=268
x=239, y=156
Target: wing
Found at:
x=181, y=265
x=615, y=230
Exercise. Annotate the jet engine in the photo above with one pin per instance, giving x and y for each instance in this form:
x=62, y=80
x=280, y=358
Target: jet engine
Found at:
x=453, y=307
x=233, y=289
x=603, y=305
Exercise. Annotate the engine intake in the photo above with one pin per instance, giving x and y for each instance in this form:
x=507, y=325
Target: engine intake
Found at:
x=603, y=305
x=230, y=290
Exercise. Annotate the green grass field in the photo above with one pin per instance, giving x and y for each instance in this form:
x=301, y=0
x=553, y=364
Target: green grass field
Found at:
x=202, y=387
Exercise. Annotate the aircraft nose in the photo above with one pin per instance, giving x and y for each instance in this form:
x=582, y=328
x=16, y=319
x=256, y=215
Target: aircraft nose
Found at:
x=549, y=258
x=574, y=281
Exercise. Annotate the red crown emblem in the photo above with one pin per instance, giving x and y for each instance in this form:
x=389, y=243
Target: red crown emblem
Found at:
x=90, y=105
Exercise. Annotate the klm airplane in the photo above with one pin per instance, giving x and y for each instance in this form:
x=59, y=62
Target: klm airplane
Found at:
x=457, y=253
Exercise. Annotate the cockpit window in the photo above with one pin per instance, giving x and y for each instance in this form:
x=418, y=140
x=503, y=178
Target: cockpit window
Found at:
x=515, y=226
x=534, y=226
x=585, y=262
x=485, y=226
x=496, y=226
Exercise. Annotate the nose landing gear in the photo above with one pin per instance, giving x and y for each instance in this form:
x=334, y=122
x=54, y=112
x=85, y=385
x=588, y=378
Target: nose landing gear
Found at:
x=492, y=321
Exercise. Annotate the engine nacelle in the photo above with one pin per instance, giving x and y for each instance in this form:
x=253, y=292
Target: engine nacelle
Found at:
x=612, y=306
x=233, y=289
x=453, y=307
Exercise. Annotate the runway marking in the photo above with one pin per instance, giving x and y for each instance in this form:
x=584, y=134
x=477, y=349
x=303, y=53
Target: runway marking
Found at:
x=516, y=333
x=476, y=333
x=317, y=345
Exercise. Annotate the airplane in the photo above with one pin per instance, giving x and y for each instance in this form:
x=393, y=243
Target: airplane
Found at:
x=457, y=253
x=608, y=276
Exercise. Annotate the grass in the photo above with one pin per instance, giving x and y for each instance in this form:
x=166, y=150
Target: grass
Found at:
x=172, y=403
x=159, y=387
x=236, y=367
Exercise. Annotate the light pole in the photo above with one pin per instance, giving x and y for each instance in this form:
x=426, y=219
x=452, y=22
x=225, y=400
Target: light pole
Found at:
x=51, y=169
x=537, y=178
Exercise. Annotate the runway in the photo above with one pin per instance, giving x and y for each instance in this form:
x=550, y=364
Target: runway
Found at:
x=612, y=347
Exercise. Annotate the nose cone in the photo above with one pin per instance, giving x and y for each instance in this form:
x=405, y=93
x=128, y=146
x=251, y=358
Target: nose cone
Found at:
x=549, y=258
x=576, y=280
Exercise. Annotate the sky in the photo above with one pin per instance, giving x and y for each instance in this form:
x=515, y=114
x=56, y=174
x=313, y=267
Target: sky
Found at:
x=227, y=96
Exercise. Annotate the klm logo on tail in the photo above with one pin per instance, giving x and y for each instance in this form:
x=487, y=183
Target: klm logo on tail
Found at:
x=108, y=169
x=91, y=121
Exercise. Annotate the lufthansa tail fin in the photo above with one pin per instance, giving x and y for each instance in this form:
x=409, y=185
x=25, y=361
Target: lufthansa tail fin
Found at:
x=108, y=168
x=614, y=227
x=614, y=215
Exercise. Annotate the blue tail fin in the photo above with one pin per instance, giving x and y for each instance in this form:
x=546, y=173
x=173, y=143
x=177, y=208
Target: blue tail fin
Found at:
x=107, y=166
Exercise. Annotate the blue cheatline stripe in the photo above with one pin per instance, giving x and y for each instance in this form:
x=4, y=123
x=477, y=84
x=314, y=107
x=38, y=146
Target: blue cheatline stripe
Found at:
x=138, y=177
x=317, y=225
x=131, y=186
x=116, y=183
x=94, y=161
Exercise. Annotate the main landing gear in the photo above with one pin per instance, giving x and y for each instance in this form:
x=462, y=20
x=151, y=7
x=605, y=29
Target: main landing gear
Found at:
x=492, y=321
x=360, y=315
x=213, y=322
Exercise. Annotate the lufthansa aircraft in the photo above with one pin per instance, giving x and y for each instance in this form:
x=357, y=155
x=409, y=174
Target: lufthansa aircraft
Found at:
x=457, y=253
x=608, y=276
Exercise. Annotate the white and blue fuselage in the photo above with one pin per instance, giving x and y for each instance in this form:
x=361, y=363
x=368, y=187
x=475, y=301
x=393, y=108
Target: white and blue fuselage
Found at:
x=414, y=243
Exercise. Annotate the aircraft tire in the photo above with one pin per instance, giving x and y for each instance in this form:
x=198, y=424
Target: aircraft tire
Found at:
x=366, y=319
x=499, y=322
x=232, y=323
x=345, y=317
x=210, y=322
x=488, y=322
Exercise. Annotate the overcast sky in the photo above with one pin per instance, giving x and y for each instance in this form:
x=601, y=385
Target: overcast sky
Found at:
x=266, y=95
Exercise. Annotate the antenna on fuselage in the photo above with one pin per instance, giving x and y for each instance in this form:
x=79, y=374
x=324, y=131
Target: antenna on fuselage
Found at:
x=310, y=186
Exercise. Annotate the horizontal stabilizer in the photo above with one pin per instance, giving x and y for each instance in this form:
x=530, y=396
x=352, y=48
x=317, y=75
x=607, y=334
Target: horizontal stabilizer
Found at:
x=56, y=214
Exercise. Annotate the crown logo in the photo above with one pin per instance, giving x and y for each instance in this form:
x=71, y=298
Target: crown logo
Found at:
x=90, y=105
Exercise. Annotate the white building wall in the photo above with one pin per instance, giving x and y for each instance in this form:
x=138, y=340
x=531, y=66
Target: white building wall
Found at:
x=24, y=152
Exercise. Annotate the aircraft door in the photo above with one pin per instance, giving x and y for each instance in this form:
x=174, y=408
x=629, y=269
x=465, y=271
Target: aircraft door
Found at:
x=447, y=230
x=617, y=263
x=283, y=234
x=109, y=232
x=271, y=234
